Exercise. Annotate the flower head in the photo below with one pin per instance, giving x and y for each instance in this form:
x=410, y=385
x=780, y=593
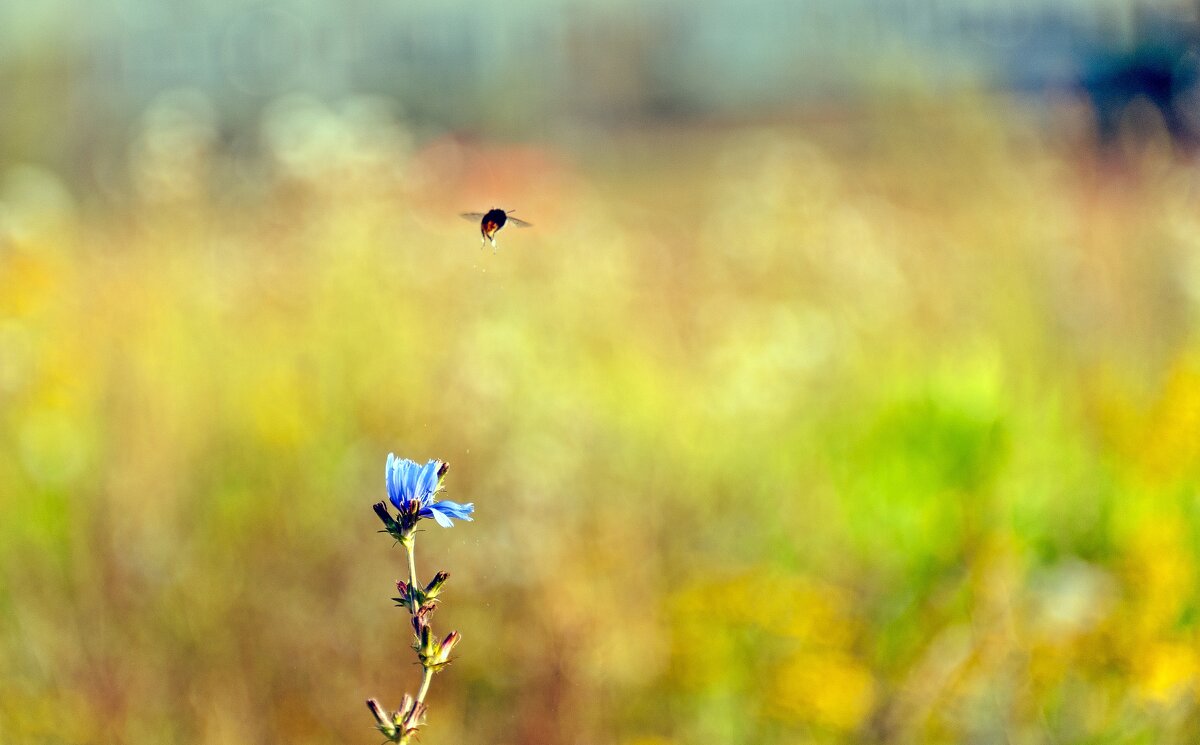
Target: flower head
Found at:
x=408, y=482
x=412, y=489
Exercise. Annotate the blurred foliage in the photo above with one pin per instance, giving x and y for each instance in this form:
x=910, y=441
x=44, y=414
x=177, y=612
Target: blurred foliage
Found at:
x=883, y=428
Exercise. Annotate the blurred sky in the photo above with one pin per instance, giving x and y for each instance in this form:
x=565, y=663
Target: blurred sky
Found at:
x=73, y=78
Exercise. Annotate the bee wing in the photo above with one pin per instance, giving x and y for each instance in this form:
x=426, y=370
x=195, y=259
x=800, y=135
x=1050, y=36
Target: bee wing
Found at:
x=471, y=215
x=519, y=223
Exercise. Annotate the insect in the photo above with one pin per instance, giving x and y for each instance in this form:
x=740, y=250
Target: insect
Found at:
x=491, y=221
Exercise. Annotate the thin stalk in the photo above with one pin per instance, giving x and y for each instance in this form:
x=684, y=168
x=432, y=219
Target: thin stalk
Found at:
x=426, y=678
x=412, y=562
x=427, y=674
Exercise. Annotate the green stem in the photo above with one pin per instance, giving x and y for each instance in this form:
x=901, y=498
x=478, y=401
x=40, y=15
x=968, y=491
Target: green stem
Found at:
x=412, y=562
x=410, y=549
x=426, y=678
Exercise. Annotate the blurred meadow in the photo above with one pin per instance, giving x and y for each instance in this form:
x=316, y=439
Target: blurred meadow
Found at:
x=856, y=421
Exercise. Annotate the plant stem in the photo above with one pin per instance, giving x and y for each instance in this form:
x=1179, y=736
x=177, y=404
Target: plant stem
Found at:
x=426, y=678
x=412, y=562
x=427, y=674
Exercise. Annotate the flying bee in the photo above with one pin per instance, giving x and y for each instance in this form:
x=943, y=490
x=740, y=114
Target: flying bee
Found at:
x=491, y=221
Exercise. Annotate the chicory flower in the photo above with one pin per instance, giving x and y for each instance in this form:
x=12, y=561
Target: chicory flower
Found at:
x=412, y=489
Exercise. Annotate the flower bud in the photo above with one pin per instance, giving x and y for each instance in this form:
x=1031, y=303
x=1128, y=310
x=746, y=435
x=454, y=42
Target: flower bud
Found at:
x=406, y=704
x=440, y=656
x=428, y=644
x=435, y=585
x=412, y=717
x=406, y=600
x=389, y=522
x=384, y=725
x=420, y=619
x=407, y=719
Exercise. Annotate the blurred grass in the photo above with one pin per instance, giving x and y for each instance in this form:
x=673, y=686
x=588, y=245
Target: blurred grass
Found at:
x=882, y=428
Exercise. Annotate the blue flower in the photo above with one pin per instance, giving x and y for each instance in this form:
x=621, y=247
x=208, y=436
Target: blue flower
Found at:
x=408, y=482
x=412, y=487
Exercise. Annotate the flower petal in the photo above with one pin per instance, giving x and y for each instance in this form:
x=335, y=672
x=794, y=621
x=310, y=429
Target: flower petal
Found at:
x=442, y=518
x=393, y=483
x=465, y=509
x=444, y=511
x=429, y=481
x=411, y=472
x=455, y=510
